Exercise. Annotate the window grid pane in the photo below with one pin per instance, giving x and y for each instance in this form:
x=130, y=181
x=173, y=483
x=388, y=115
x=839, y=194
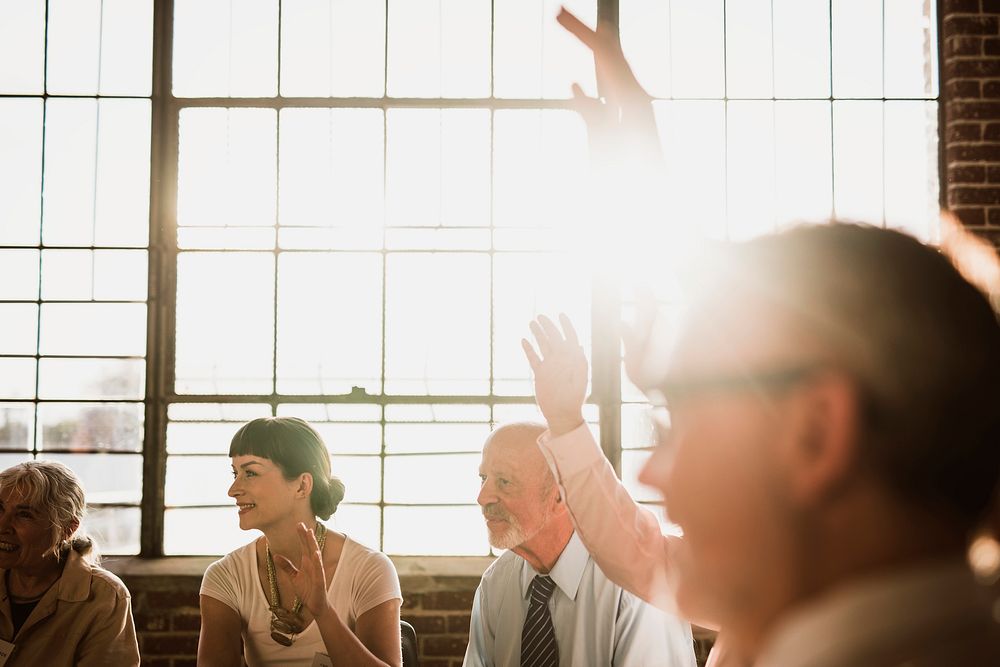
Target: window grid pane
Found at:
x=419, y=197
x=73, y=248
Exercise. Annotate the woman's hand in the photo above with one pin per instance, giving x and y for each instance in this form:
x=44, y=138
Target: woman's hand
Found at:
x=309, y=578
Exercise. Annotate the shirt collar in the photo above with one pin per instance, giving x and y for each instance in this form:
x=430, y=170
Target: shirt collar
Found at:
x=566, y=573
x=74, y=584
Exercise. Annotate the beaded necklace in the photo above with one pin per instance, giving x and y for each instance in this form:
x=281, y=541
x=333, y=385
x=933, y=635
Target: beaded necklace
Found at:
x=286, y=624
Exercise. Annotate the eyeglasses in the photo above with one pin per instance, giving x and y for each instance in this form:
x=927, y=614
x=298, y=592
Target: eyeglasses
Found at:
x=666, y=396
x=671, y=392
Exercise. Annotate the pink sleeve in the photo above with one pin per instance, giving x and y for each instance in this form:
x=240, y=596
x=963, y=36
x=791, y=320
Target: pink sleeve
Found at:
x=624, y=538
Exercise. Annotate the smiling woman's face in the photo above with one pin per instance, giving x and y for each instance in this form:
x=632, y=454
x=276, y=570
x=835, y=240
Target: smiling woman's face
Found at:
x=25, y=532
x=262, y=493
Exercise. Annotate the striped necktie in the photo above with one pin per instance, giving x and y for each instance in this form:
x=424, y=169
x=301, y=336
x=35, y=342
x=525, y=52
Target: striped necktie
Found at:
x=538, y=638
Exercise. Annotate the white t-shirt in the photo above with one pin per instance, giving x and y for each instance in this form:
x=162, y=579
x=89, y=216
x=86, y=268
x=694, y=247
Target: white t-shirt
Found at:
x=363, y=580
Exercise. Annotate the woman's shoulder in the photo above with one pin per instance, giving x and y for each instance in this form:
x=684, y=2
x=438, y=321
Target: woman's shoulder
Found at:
x=104, y=582
x=235, y=561
x=359, y=555
x=370, y=571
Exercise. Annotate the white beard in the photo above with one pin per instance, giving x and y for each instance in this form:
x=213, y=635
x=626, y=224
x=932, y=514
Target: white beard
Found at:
x=515, y=534
x=509, y=538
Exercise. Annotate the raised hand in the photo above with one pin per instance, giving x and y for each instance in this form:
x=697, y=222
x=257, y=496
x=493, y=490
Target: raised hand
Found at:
x=309, y=578
x=560, y=369
x=623, y=114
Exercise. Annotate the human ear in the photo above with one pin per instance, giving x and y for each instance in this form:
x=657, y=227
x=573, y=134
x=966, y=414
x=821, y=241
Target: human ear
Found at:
x=305, y=487
x=822, y=448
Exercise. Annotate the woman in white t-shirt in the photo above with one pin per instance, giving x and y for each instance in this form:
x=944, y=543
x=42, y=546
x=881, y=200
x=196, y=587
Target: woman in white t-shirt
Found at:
x=300, y=589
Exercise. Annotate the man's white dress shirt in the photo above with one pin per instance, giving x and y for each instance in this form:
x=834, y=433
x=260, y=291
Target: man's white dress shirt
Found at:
x=595, y=621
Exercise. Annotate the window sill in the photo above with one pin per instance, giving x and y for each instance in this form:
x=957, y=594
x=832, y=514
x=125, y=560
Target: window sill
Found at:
x=408, y=567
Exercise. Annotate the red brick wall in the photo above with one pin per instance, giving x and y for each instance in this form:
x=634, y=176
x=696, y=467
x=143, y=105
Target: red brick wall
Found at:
x=970, y=92
x=167, y=622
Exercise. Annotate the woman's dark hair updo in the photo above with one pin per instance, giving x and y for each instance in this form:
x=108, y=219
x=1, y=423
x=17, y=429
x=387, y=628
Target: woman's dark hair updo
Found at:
x=296, y=448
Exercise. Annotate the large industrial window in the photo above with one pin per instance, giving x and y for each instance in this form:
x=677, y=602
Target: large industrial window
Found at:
x=356, y=207
x=74, y=227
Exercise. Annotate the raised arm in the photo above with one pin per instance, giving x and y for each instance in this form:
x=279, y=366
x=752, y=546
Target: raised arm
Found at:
x=621, y=118
x=624, y=538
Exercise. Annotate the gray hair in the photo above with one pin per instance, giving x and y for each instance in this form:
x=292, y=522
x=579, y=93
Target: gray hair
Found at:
x=921, y=341
x=54, y=490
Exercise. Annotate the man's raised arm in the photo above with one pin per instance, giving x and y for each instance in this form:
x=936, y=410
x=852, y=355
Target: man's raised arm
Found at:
x=624, y=538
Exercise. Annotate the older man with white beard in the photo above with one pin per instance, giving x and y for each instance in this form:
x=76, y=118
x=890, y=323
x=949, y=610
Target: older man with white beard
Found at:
x=544, y=602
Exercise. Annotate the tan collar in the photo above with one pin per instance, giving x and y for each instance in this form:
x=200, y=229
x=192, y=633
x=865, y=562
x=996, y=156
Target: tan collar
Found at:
x=74, y=584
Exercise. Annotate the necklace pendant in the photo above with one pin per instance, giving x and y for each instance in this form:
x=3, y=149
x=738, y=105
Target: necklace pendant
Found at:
x=284, y=640
x=287, y=619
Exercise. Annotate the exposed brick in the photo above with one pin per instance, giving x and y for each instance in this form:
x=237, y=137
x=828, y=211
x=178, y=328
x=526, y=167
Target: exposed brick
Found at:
x=450, y=600
x=957, y=89
x=156, y=662
x=459, y=624
x=974, y=110
x=991, y=89
x=971, y=68
x=960, y=195
x=991, y=132
x=424, y=625
x=979, y=153
x=991, y=6
x=970, y=217
x=186, y=622
x=993, y=217
x=445, y=646
x=185, y=662
x=960, y=7
x=412, y=601
x=963, y=45
x=967, y=174
x=993, y=173
x=971, y=25
x=170, y=600
x=151, y=622
x=964, y=132
x=991, y=46
x=435, y=663
x=169, y=644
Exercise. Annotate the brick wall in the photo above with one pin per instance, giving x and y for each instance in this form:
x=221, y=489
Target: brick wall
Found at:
x=970, y=91
x=165, y=608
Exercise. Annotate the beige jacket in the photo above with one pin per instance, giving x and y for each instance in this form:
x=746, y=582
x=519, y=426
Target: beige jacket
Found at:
x=85, y=619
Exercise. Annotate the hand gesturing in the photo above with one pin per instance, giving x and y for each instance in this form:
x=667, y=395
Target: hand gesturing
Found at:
x=309, y=578
x=560, y=369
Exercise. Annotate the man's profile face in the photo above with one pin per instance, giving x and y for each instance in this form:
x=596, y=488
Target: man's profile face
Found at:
x=721, y=471
x=515, y=496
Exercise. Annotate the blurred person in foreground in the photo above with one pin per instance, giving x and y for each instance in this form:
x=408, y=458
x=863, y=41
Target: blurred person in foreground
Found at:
x=833, y=443
x=544, y=602
x=300, y=591
x=57, y=606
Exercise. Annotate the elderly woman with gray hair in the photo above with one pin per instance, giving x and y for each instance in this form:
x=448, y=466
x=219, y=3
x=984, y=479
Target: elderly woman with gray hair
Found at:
x=57, y=606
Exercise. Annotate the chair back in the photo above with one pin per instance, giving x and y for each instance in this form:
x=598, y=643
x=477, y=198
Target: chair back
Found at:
x=409, y=639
